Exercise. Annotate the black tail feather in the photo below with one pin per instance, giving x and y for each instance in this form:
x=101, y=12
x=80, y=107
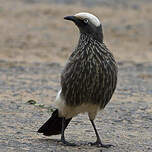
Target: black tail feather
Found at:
x=54, y=125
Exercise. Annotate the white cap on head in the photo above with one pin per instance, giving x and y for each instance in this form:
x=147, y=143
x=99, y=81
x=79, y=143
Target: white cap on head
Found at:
x=93, y=19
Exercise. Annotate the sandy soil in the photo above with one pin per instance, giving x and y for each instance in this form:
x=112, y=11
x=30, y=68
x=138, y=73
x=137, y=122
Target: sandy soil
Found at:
x=35, y=42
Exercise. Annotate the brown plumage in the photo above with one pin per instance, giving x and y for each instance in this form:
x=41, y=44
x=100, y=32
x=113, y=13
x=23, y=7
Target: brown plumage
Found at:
x=88, y=80
x=90, y=75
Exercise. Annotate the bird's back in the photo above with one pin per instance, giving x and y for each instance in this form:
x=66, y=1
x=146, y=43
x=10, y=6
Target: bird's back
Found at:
x=90, y=74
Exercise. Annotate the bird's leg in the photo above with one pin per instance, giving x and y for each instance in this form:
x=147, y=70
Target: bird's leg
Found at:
x=62, y=135
x=98, y=141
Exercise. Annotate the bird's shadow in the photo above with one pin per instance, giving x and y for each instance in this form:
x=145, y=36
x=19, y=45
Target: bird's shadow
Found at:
x=58, y=142
x=49, y=141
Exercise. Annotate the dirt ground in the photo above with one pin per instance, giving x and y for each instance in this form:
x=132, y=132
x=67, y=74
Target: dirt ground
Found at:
x=35, y=42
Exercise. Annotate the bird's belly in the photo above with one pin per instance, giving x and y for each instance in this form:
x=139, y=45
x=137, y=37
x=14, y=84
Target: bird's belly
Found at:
x=71, y=111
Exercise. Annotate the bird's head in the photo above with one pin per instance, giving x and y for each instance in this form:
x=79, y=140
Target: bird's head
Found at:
x=87, y=24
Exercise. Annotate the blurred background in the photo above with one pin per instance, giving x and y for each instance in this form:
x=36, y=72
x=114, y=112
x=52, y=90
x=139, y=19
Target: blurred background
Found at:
x=35, y=42
x=34, y=30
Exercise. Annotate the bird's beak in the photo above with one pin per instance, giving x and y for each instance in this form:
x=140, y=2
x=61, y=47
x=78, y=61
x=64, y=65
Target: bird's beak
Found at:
x=71, y=18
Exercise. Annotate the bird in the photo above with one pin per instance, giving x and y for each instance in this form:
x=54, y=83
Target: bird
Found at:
x=88, y=79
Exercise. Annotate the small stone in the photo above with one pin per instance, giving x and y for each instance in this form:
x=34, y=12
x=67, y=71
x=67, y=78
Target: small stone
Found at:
x=33, y=102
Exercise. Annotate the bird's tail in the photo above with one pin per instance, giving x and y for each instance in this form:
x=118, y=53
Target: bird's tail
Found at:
x=54, y=125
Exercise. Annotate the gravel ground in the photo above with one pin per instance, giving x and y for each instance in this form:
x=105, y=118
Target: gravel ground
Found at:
x=126, y=121
x=33, y=50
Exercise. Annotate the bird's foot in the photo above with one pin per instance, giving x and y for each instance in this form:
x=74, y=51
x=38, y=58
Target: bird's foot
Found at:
x=66, y=143
x=99, y=144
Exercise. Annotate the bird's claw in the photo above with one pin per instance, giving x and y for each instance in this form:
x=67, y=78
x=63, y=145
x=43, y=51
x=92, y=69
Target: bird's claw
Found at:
x=99, y=144
x=67, y=143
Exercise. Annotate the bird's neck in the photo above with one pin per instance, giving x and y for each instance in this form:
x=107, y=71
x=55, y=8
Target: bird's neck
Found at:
x=96, y=34
x=85, y=39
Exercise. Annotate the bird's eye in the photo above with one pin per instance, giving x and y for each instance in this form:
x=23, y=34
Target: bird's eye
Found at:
x=85, y=21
